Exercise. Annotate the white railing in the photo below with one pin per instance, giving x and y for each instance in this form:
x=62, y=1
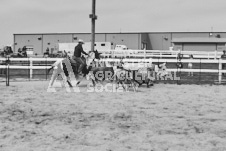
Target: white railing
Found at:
x=134, y=64
x=159, y=53
x=31, y=62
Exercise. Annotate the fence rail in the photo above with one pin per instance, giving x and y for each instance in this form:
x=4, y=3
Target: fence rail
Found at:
x=134, y=63
x=160, y=53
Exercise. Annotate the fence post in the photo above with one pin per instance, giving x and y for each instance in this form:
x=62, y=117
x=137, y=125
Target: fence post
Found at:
x=46, y=70
x=215, y=55
x=220, y=72
x=7, y=71
x=200, y=67
x=112, y=54
x=31, y=68
x=144, y=54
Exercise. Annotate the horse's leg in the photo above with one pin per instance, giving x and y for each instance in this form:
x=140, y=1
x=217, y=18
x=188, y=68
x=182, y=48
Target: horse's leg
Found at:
x=65, y=81
x=83, y=77
x=62, y=81
x=75, y=77
x=116, y=82
x=133, y=85
x=112, y=83
x=138, y=82
x=151, y=83
x=94, y=84
x=53, y=78
x=147, y=82
x=69, y=81
x=78, y=79
x=112, y=78
x=122, y=83
x=126, y=86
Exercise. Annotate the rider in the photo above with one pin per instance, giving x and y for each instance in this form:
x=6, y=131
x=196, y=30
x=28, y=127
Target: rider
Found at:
x=77, y=55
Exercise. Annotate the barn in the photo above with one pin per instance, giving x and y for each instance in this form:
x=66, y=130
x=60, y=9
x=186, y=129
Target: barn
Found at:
x=192, y=41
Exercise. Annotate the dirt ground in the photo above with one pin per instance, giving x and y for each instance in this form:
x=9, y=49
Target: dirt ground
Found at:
x=165, y=117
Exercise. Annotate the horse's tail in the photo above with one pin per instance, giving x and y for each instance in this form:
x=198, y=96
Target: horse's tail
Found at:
x=54, y=65
x=50, y=68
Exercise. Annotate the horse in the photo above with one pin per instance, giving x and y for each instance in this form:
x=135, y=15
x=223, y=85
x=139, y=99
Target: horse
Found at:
x=64, y=68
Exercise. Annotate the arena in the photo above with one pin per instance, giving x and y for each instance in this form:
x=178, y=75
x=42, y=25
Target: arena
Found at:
x=164, y=117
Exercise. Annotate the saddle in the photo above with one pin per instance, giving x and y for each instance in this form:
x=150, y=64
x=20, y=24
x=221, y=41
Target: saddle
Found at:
x=75, y=65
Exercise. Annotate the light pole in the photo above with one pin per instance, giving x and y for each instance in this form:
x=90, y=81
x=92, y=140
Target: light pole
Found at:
x=93, y=18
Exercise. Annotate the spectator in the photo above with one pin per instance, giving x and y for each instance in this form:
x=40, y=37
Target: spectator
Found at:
x=223, y=57
x=190, y=65
x=24, y=51
x=46, y=54
x=7, y=50
x=179, y=56
x=20, y=53
x=179, y=64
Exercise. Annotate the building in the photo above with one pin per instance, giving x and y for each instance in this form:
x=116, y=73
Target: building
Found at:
x=192, y=41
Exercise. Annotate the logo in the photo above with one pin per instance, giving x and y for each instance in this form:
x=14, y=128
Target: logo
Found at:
x=144, y=72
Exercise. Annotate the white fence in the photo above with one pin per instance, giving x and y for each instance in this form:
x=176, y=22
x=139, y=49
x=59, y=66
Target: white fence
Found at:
x=134, y=64
x=159, y=53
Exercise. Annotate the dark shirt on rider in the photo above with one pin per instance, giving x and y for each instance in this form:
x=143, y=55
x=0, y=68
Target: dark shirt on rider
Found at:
x=78, y=50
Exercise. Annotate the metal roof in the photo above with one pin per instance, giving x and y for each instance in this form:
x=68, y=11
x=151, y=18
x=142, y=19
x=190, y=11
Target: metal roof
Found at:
x=135, y=32
x=199, y=40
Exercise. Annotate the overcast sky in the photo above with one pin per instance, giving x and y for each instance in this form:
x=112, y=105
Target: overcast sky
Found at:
x=71, y=16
